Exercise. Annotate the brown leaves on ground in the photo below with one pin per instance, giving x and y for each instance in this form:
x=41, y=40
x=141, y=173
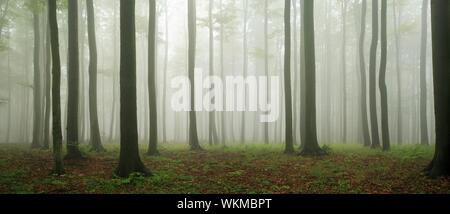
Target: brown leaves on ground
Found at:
x=240, y=169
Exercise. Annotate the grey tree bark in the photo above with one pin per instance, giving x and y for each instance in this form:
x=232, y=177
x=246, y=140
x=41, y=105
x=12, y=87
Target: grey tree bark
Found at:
x=423, y=75
x=56, y=88
x=153, y=141
x=311, y=144
x=129, y=160
x=372, y=77
x=96, y=141
x=212, y=135
x=382, y=81
x=73, y=151
x=37, y=129
x=245, y=65
x=440, y=20
x=397, y=22
x=193, y=136
x=48, y=83
x=362, y=68
x=344, y=72
x=289, y=147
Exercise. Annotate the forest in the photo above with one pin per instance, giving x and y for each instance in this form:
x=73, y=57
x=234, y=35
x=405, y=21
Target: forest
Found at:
x=224, y=96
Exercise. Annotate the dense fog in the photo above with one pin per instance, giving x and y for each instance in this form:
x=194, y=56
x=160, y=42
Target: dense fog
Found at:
x=338, y=76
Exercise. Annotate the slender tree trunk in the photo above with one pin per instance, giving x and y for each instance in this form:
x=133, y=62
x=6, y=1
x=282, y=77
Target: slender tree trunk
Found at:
x=153, y=141
x=37, y=129
x=245, y=66
x=8, y=128
x=440, y=19
x=213, y=138
x=166, y=58
x=113, y=124
x=302, y=76
x=399, y=76
x=423, y=75
x=289, y=149
x=56, y=88
x=193, y=136
x=82, y=94
x=344, y=72
x=266, y=61
x=129, y=160
x=311, y=144
x=48, y=83
x=93, y=117
x=328, y=54
x=222, y=72
x=296, y=76
x=73, y=151
x=362, y=67
x=372, y=76
x=382, y=80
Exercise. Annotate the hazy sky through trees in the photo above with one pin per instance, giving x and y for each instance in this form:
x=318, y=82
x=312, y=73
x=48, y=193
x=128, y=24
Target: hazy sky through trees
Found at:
x=17, y=83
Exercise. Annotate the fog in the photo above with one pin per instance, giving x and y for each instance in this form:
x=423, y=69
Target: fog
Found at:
x=338, y=80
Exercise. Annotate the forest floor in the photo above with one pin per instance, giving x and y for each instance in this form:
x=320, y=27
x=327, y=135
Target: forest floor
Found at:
x=234, y=169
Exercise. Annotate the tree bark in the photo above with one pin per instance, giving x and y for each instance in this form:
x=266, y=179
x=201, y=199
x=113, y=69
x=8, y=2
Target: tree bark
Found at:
x=56, y=87
x=344, y=72
x=166, y=58
x=266, y=61
x=129, y=160
x=73, y=151
x=440, y=19
x=311, y=144
x=193, y=136
x=399, y=75
x=212, y=135
x=289, y=148
x=48, y=83
x=362, y=68
x=96, y=141
x=423, y=75
x=382, y=81
x=372, y=76
x=302, y=76
x=37, y=129
x=153, y=141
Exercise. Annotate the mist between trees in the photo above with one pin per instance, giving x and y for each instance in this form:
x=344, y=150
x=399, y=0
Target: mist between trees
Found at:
x=354, y=71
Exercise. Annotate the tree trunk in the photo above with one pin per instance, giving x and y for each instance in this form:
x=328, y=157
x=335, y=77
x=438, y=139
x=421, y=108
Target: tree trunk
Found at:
x=8, y=128
x=423, y=75
x=96, y=141
x=289, y=148
x=193, y=137
x=372, y=76
x=166, y=58
x=311, y=144
x=362, y=67
x=153, y=141
x=56, y=88
x=266, y=61
x=302, y=76
x=213, y=139
x=37, y=129
x=382, y=81
x=399, y=75
x=73, y=151
x=48, y=83
x=129, y=160
x=344, y=72
x=113, y=125
x=440, y=19
x=296, y=76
